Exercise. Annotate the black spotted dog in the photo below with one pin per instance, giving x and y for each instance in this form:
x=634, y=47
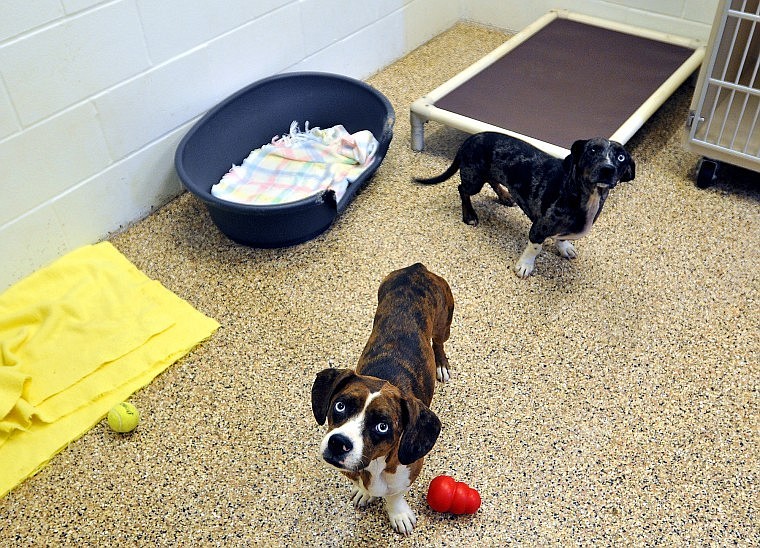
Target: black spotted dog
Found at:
x=562, y=198
x=380, y=425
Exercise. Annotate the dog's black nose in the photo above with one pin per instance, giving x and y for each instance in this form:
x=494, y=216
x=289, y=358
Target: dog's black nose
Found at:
x=339, y=445
x=606, y=172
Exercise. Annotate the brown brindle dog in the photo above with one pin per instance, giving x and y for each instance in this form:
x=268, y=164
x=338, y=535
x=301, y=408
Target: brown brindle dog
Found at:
x=379, y=422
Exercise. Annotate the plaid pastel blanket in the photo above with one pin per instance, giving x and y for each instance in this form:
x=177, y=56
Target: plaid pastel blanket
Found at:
x=298, y=165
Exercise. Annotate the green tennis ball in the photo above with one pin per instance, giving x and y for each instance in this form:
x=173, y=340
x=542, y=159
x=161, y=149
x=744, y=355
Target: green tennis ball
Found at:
x=123, y=417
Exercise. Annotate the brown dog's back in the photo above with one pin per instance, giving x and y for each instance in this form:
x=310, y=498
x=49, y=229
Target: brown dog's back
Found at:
x=415, y=307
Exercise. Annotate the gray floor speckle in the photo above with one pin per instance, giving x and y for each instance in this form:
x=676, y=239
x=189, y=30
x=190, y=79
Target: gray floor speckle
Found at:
x=611, y=400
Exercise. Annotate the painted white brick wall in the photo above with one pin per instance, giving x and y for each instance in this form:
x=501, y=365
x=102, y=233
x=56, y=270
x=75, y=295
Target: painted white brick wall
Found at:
x=96, y=94
x=689, y=18
x=66, y=62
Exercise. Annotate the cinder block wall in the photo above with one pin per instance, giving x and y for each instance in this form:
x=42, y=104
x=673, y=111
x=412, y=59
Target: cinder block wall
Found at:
x=690, y=18
x=96, y=94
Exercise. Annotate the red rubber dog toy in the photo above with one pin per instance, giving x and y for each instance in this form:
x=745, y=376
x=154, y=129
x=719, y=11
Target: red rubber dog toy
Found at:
x=448, y=495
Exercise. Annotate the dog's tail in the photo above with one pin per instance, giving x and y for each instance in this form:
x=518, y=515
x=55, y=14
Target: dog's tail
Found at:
x=453, y=168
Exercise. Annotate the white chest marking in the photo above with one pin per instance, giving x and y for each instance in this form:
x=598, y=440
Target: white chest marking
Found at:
x=593, y=208
x=383, y=484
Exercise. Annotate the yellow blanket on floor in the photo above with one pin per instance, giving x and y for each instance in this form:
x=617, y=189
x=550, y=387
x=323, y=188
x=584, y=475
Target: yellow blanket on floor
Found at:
x=76, y=338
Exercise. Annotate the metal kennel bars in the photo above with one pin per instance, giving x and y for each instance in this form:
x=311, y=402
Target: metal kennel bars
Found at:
x=724, y=122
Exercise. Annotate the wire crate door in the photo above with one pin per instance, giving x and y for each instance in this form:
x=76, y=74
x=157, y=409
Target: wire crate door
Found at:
x=727, y=114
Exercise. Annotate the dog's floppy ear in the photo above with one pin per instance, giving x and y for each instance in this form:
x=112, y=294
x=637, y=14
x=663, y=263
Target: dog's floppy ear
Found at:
x=325, y=385
x=576, y=151
x=578, y=146
x=421, y=429
x=629, y=173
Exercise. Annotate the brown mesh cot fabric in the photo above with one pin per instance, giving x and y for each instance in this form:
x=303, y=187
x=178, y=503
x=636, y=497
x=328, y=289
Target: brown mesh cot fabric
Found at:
x=569, y=81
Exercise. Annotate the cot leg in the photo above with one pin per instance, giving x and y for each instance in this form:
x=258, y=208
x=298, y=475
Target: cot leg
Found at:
x=418, y=131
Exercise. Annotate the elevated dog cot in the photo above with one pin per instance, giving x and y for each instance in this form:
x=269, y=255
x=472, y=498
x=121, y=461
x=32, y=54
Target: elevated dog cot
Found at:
x=564, y=77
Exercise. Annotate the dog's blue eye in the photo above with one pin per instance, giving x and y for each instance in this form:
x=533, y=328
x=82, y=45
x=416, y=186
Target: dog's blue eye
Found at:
x=340, y=407
x=382, y=428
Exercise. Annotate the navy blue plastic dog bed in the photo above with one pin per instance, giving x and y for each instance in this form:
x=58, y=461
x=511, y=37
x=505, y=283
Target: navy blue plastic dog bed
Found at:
x=249, y=119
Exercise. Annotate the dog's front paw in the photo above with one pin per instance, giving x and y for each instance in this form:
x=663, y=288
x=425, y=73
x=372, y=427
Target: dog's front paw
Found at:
x=524, y=268
x=442, y=373
x=400, y=515
x=360, y=497
x=566, y=249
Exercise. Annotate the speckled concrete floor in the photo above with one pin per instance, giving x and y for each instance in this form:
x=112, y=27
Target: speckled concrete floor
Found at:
x=611, y=400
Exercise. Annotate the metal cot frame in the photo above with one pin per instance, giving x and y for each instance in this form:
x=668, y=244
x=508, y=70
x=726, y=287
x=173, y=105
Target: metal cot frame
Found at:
x=724, y=123
x=425, y=108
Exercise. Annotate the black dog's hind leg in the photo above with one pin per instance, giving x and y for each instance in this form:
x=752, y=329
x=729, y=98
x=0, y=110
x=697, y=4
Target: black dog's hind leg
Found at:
x=468, y=212
x=472, y=183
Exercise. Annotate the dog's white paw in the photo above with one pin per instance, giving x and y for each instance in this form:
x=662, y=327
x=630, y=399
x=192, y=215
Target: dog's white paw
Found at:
x=524, y=268
x=566, y=249
x=400, y=515
x=442, y=374
x=360, y=497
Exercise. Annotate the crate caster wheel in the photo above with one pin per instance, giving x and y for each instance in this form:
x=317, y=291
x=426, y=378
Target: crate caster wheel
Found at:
x=707, y=171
